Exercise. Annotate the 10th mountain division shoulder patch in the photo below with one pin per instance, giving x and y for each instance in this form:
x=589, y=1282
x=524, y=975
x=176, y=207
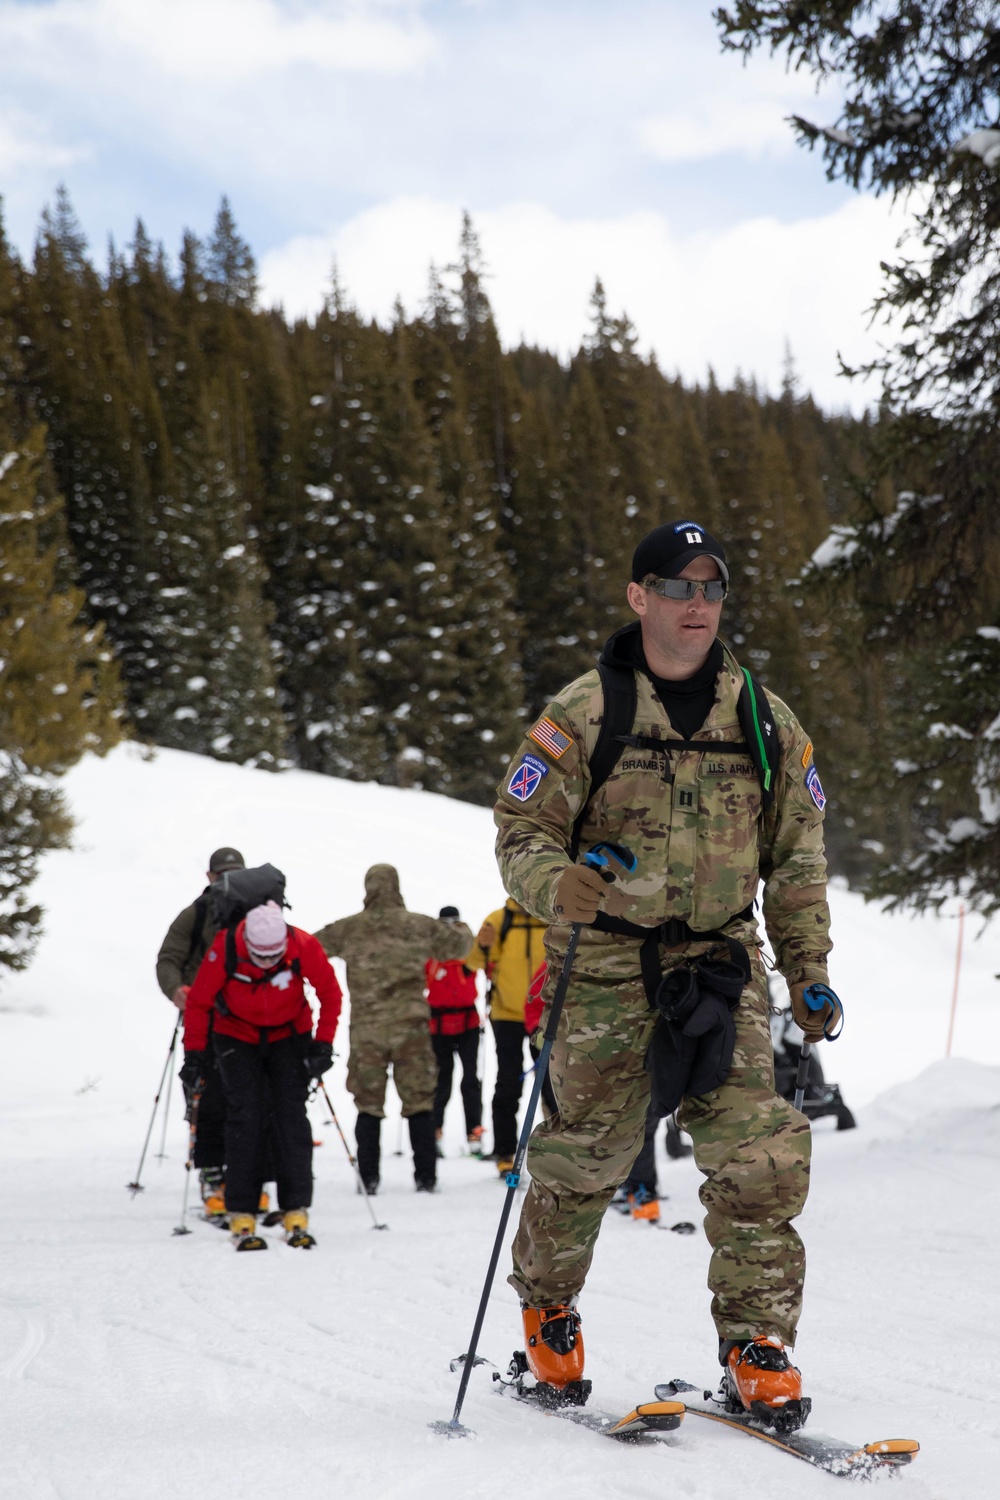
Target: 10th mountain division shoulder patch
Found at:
x=527, y=778
x=815, y=788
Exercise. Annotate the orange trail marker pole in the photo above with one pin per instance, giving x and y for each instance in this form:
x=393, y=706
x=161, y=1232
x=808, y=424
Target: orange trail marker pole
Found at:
x=958, y=970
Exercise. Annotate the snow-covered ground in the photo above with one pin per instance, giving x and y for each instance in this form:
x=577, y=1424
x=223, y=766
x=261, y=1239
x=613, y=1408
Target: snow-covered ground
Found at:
x=137, y=1364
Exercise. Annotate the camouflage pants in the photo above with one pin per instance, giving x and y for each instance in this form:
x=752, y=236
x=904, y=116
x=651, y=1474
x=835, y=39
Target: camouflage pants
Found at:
x=406, y=1045
x=751, y=1145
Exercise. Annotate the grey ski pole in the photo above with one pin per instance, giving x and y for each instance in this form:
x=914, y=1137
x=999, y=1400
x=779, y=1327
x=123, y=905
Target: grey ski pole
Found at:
x=161, y=1154
x=136, y=1185
x=818, y=997
x=189, y=1164
x=350, y=1158
x=598, y=861
x=802, y=1076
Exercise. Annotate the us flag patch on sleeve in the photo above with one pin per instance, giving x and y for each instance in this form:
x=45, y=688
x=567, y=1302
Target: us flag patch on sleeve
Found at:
x=550, y=737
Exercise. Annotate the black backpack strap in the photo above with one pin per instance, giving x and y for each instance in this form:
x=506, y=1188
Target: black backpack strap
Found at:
x=620, y=699
x=231, y=965
x=200, y=912
x=761, y=734
x=506, y=923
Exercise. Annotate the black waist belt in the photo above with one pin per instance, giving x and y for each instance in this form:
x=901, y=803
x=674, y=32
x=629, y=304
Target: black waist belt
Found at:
x=671, y=934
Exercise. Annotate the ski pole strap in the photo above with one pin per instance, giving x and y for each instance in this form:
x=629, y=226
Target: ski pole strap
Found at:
x=817, y=997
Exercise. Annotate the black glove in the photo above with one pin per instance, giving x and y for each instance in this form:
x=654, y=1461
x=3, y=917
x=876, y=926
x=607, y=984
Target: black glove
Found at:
x=692, y=1047
x=194, y=1067
x=319, y=1057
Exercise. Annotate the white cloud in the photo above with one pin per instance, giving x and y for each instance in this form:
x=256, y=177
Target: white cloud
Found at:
x=224, y=41
x=729, y=299
x=745, y=128
x=23, y=144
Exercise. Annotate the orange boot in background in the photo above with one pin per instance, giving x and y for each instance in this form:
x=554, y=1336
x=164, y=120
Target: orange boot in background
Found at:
x=553, y=1346
x=761, y=1379
x=644, y=1205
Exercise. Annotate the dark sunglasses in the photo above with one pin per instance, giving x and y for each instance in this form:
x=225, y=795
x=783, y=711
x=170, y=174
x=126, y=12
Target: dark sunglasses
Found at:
x=714, y=589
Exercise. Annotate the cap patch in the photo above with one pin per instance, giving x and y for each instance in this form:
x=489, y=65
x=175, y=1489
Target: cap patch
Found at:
x=527, y=778
x=697, y=532
x=550, y=737
x=816, y=791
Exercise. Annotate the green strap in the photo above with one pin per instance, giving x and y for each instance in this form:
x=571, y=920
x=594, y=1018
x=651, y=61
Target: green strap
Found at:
x=765, y=764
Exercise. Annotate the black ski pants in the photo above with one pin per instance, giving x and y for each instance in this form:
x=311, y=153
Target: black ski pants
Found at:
x=210, y=1130
x=265, y=1086
x=643, y=1173
x=466, y=1046
x=509, y=1037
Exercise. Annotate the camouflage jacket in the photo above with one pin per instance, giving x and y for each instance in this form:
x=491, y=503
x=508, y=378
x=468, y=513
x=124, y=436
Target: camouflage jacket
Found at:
x=385, y=948
x=700, y=840
x=184, y=946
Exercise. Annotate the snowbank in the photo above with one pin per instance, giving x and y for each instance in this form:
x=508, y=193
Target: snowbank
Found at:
x=137, y=1363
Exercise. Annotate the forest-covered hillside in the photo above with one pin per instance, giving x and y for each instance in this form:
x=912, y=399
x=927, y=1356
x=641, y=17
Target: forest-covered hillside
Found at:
x=374, y=551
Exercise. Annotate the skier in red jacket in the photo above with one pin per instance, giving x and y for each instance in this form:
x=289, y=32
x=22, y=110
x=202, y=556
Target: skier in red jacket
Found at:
x=455, y=1027
x=248, y=999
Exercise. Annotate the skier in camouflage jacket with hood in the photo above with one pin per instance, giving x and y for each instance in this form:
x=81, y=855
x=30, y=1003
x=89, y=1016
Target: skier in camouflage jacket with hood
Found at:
x=385, y=948
x=695, y=821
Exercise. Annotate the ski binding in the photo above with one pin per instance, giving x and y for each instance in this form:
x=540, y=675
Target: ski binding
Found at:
x=833, y=1455
x=644, y=1423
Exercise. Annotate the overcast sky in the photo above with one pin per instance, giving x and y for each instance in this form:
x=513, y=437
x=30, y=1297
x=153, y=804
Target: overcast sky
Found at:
x=586, y=138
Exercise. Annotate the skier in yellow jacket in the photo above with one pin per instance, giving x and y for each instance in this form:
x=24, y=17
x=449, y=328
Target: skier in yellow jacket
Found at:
x=510, y=948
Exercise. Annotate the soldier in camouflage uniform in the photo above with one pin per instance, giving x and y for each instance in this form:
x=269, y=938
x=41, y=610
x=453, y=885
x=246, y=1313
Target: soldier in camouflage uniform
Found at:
x=188, y=939
x=385, y=948
x=695, y=822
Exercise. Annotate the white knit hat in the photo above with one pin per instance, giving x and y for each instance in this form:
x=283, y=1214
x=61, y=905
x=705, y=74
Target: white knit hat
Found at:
x=266, y=933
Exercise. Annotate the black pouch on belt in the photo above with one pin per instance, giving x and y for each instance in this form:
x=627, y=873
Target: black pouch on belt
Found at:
x=692, y=1047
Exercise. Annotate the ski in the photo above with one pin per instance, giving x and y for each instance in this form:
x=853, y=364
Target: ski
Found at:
x=645, y=1423
x=218, y=1221
x=833, y=1455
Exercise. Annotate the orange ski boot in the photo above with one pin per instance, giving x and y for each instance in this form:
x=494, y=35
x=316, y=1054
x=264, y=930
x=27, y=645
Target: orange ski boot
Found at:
x=553, y=1343
x=760, y=1379
x=644, y=1205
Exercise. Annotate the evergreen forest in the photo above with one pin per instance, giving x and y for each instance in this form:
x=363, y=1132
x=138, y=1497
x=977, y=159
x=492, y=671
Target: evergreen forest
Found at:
x=375, y=551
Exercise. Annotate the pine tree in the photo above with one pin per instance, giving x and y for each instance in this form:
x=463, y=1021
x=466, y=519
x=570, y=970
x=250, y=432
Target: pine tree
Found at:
x=918, y=90
x=59, y=691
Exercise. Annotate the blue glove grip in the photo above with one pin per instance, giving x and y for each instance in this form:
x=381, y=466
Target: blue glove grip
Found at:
x=817, y=997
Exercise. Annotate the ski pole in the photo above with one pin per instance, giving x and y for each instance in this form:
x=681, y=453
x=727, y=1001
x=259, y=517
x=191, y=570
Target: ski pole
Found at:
x=350, y=1158
x=160, y=1155
x=802, y=1076
x=136, y=1185
x=818, y=997
x=597, y=861
x=192, y=1134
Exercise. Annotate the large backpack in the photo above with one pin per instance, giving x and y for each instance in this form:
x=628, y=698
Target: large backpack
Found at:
x=237, y=893
x=756, y=719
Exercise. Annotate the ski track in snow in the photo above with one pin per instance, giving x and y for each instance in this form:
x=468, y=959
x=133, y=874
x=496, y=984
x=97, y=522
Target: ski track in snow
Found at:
x=139, y=1364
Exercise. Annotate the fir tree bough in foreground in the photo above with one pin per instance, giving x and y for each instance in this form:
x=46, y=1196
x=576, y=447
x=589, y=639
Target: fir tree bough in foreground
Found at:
x=919, y=570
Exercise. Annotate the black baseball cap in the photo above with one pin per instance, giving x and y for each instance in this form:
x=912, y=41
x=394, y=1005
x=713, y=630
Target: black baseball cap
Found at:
x=668, y=549
x=226, y=859
x=448, y=914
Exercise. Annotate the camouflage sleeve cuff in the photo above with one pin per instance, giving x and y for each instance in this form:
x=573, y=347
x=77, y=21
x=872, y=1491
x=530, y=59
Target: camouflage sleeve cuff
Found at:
x=538, y=895
x=806, y=973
